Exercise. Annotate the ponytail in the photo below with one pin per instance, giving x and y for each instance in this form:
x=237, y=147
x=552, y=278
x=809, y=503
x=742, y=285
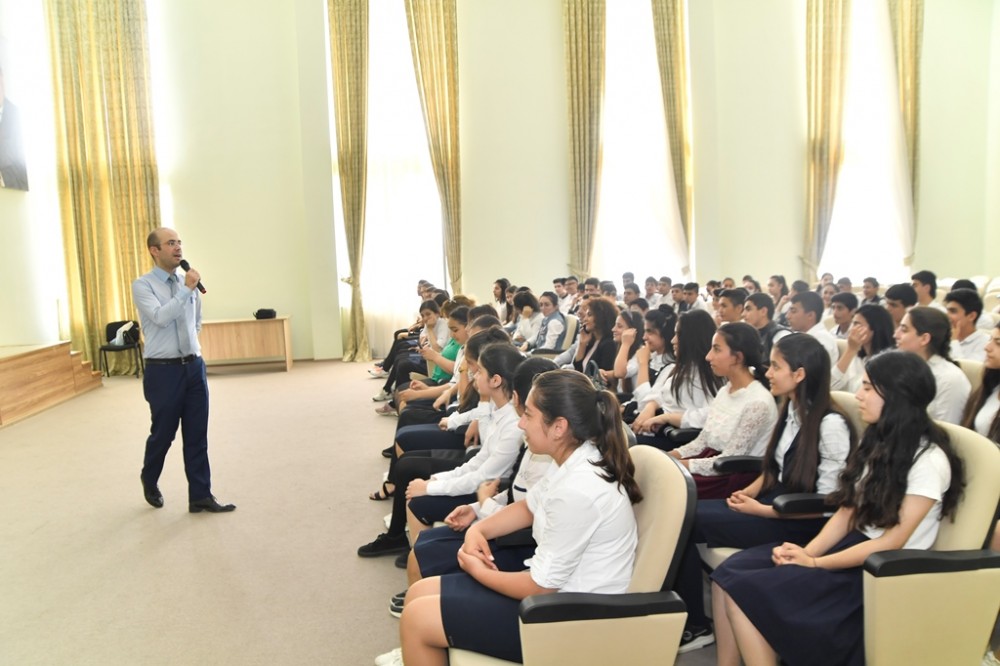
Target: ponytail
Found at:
x=615, y=459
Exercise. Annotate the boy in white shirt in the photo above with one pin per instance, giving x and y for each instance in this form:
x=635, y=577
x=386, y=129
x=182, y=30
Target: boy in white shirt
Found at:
x=925, y=284
x=805, y=316
x=964, y=306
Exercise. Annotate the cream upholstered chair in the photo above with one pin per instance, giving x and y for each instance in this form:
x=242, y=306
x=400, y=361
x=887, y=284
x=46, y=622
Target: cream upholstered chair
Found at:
x=973, y=370
x=939, y=606
x=642, y=626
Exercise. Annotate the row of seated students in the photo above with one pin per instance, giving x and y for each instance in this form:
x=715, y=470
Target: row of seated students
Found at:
x=702, y=387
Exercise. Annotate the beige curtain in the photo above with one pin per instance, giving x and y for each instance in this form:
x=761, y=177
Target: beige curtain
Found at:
x=907, y=20
x=669, y=28
x=108, y=187
x=433, y=28
x=349, y=64
x=584, y=21
x=826, y=66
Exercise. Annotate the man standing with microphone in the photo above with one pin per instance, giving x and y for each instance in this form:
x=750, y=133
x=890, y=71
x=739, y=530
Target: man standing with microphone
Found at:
x=175, y=384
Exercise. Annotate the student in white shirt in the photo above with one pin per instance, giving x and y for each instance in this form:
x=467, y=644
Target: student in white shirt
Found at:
x=581, y=517
x=899, y=298
x=926, y=332
x=925, y=284
x=500, y=298
x=622, y=377
x=806, y=316
x=842, y=306
x=964, y=307
x=652, y=294
x=982, y=413
x=869, y=292
x=871, y=332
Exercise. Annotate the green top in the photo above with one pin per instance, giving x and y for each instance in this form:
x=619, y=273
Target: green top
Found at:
x=450, y=352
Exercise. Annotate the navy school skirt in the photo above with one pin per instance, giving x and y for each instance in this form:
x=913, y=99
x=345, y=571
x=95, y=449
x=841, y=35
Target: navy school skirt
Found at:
x=437, y=549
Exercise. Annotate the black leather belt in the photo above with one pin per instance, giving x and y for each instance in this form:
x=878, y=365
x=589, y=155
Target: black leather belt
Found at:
x=183, y=360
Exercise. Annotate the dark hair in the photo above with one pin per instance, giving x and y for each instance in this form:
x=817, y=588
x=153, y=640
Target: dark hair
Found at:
x=742, y=338
x=593, y=282
x=928, y=278
x=889, y=447
x=780, y=279
x=486, y=321
x=904, y=293
x=845, y=298
x=559, y=280
x=666, y=279
x=963, y=283
x=691, y=286
x=934, y=323
x=573, y=278
x=460, y=314
x=800, y=286
x=503, y=283
x=651, y=280
x=736, y=295
x=608, y=287
x=664, y=320
x=844, y=282
x=525, y=298
x=880, y=322
x=526, y=373
x=592, y=415
x=501, y=359
x=633, y=320
x=756, y=285
x=432, y=306
x=991, y=379
x=810, y=302
x=694, y=339
x=872, y=281
x=762, y=302
x=632, y=286
x=604, y=314
x=812, y=404
x=489, y=336
x=441, y=297
x=968, y=299
x=551, y=295
x=641, y=303
x=485, y=310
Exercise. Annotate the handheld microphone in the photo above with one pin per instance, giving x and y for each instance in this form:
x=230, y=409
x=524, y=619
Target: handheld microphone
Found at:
x=186, y=266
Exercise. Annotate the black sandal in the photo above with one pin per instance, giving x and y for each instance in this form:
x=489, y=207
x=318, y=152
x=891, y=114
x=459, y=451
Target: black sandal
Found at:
x=383, y=494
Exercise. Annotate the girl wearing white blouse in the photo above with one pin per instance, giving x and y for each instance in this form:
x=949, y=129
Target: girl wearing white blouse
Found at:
x=926, y=332
x=982, y=414
x=581, y=517
x=871, y=331
x=741, y=417
x=526, y=305
x=627, y=334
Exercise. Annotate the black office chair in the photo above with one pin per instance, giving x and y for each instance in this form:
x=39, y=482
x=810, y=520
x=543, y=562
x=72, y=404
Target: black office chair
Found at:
x=132, y=345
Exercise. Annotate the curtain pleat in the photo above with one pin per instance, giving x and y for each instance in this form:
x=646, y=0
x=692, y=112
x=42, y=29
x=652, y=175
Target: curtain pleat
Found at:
x=827, y=31
x=433, y=26
x=584, y=21
x=907, y=20
x=106, y=160
x=349, y=64
x=669, y=28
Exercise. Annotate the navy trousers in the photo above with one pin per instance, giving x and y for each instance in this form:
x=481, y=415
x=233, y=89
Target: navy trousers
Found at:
x=178, y=395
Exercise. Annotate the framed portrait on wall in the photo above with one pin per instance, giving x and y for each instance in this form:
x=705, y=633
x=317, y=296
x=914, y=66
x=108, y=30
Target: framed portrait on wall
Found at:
x=13, y=170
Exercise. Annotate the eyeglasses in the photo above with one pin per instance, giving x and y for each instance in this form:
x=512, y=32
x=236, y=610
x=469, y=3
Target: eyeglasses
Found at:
x=171, y=243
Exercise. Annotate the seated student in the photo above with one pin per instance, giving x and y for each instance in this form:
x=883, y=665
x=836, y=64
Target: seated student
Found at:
x=925, y=284
x=731, y=305
x=900, y=481
x=806, y=316
x=681, y=393
x=739, y=420
x=985, y=320
x=640, y=306
x=777, y=289
x=677, y=297
x=552, y=331
x=728, y=283
x=500, y=288
x=869, y=290
x=982, y=413
x=899, y=298
x=609, y=290
x=758, y=311
x=692, y=299
x=559, y=287
x=827, y=296
x=825, y=279
x=652, y=355
x=581, y=517
x=784, y=305
x=964, y=307
x=435, y=551
x=871, y=332
x=806, y=453
x=571, y=303
x=453, y=485
x=629, y=294
x=433, y=336
x=652, y=294
x=926, y=332
x=597, y=348
x=622, y=377
x=530, y=319
x=511, y=314
x=405, y=339
x=844, y=285
x=843, y=306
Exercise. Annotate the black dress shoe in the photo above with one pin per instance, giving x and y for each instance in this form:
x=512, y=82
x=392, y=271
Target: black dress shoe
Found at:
x=385, y=545
x=211, y=505
x=152, y=495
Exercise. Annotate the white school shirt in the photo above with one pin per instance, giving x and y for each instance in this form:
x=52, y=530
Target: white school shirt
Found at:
x=972, y=348
x=953, y=390
x=738, y=424
x=693, y=397
x=533, y=468
x=834, y=445
x=643, y=393
x=929, y=477
x=988, y=412
x=501, y=440
x=654, y=300
x=848, y=381
x=527, y=329
x=826, y=339
x=584, y=527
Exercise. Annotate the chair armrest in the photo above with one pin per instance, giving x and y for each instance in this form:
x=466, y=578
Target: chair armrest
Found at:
x=906, y=562
x=567, y=606
x=681, y=436
x=734, y=464
x=801, y=503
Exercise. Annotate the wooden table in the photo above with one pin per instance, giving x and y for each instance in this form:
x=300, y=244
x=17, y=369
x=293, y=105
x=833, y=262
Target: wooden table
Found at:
x=247, y=341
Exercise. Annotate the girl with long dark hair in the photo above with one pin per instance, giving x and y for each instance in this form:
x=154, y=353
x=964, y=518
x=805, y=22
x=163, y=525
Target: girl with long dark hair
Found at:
x=871, y=332
x=926, y=332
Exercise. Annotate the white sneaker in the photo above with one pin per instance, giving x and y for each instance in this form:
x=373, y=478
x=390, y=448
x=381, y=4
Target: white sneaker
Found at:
x=990, y=659
x=382, y=396
x=378, y=373
x=394, y=658
x=694, y=640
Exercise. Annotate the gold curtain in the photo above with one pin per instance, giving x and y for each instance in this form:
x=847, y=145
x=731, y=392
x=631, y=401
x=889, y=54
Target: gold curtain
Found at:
x=907, y=20
x=585, y=82
x=349, y=64
x=108, y=186
x=433, y=28
x=827, y=30
x=669, y=28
